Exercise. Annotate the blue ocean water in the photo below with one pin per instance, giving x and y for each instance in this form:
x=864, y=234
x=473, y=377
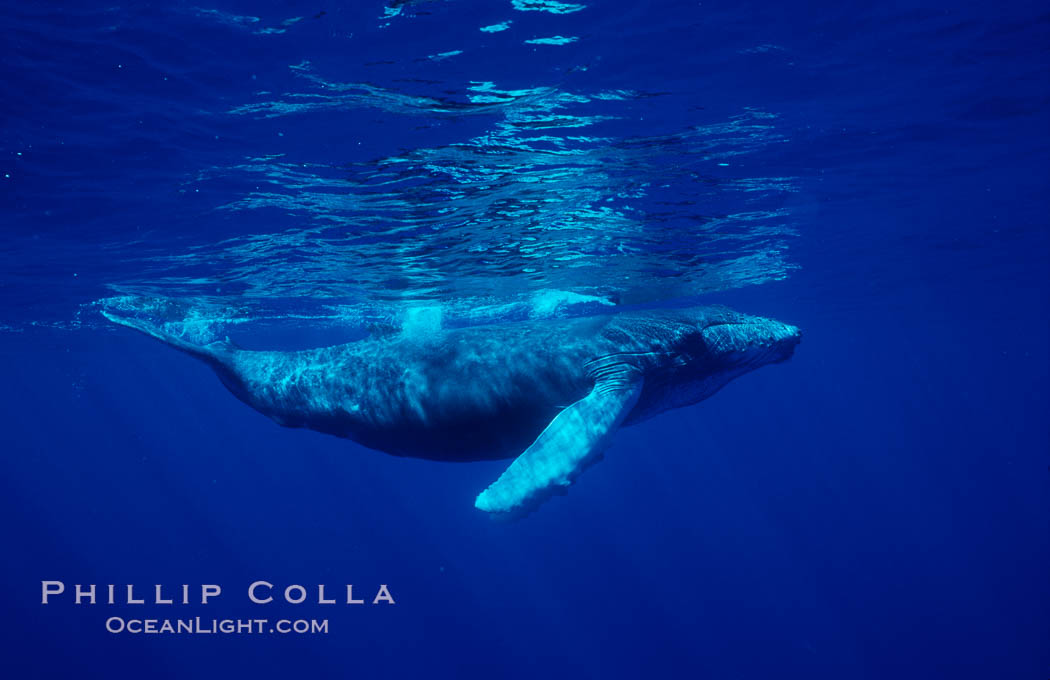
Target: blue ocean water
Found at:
x=296, y=175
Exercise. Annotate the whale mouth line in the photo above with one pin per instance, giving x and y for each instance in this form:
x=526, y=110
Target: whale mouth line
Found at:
x=794, y=331
x=725, y=323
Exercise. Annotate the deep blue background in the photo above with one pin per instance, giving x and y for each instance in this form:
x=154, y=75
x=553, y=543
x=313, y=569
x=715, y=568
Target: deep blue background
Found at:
x=876, y=507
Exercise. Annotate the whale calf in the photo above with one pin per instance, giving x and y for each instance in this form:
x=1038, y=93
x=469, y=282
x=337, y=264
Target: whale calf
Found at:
x=549, y=394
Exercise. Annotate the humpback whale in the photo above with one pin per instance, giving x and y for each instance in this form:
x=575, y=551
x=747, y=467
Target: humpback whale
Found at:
x=549, y=394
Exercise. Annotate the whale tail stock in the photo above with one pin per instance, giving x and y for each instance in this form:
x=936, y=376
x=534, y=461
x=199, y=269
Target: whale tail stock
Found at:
x=216, y=354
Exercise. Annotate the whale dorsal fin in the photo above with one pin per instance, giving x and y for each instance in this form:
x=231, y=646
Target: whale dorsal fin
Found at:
x=571, y=443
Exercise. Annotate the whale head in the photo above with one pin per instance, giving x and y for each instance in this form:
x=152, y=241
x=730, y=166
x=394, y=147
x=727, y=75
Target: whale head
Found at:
x=738, y=342
x=724, y=345
x=703, y=350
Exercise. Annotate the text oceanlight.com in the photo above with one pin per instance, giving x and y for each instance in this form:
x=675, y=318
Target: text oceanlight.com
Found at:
x=197, y=625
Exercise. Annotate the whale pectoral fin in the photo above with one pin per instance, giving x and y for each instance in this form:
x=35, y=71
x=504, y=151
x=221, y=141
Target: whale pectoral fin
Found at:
x=572, y=442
